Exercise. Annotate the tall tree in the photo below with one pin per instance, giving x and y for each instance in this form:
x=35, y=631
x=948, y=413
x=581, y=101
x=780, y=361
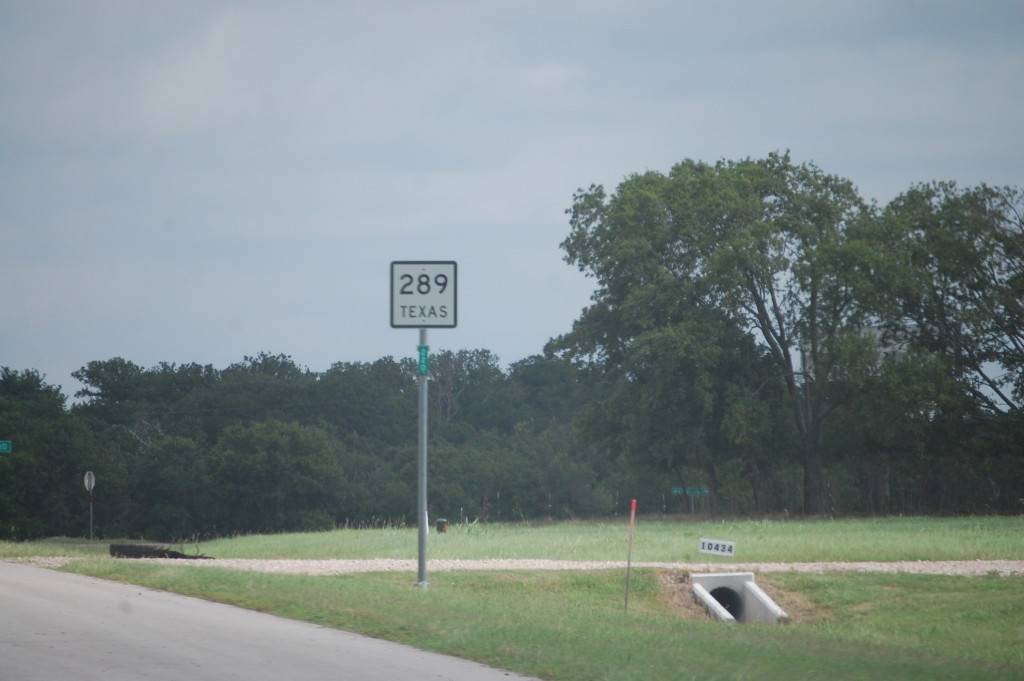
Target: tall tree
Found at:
x=112, y=389
x=955, y=285
x=40, y=480
x=275, y=476
x=467, y=386
x=267, y=387
x=375, y=400
x=545, y=391
x=949, y=287
x=684, y=405
x=767, y=243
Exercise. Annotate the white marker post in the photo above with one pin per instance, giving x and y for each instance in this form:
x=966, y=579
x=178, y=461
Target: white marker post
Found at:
x=423, y=295
x=629, y=555
x=90, y=483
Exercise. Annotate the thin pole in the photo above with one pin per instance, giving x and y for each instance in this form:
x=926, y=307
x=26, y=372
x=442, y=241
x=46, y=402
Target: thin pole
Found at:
x=629, y=559
x=422, y=497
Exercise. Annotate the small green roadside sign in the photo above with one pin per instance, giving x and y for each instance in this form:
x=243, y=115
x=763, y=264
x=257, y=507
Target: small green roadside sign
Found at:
x=423, y=366
x=6, y=447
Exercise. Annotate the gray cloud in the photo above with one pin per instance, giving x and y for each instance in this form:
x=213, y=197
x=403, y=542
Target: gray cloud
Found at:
x=183, y=182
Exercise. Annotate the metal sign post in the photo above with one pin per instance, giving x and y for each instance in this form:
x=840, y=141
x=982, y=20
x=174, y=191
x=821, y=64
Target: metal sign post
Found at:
x=421, y=499
x=629, y=555
x=423, y=295
x=90, y=483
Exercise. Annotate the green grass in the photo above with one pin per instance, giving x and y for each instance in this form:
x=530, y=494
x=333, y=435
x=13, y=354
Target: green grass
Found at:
x=656, y=540
x=980, y=618
x=571, y=626
x=886, y=539
x=54, y=546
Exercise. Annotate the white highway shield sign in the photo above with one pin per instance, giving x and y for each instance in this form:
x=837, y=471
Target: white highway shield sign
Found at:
x=423, y=294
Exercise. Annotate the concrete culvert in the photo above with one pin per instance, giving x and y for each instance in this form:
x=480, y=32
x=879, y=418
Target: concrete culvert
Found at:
x=734, y=597
x=730, y=600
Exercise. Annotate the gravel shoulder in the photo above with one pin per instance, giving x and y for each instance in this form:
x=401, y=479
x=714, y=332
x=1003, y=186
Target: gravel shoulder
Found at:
x=341, y=567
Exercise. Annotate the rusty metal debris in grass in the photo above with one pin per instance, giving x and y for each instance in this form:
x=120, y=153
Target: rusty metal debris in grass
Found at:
x=150, y=551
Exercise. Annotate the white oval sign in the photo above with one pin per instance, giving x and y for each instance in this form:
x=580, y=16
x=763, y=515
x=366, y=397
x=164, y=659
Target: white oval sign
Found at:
x=90, y=480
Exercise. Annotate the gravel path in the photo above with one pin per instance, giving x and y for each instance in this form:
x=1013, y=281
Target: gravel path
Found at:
x=341, y=567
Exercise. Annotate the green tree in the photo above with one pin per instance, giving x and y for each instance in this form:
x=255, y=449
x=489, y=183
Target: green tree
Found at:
x=953, y=286
x=273, y=476
x=264, y=387
x=468, y=387
x=547, y=391
x=373, y=400
x=692, y=403
x=173, y=491
x=41, y=490
x=112, y=389
x=770, y=245
x=949, y=288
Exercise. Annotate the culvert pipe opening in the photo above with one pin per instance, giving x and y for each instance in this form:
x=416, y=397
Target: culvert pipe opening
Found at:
x=730, y=600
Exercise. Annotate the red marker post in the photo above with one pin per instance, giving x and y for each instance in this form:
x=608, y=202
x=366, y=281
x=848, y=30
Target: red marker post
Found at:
x=629, y=558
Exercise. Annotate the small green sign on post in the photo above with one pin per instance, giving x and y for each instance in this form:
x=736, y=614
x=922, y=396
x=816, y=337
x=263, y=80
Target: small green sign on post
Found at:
x=424, y=364
x=6, y=447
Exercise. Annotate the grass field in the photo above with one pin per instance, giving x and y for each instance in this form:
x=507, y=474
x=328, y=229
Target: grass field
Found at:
x=571, y=626
x=886, y=539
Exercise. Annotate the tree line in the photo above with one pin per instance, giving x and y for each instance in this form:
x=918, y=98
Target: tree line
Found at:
x=757, y=330
x=266, y=445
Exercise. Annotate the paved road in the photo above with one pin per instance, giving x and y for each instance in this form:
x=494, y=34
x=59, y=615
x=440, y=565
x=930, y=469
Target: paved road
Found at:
x=56, y=626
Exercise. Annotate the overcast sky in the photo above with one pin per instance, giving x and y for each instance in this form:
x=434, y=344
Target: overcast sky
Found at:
x=201, y=181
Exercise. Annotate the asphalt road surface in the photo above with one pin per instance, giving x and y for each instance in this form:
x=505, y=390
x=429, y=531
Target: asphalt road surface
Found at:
x=56, y=626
